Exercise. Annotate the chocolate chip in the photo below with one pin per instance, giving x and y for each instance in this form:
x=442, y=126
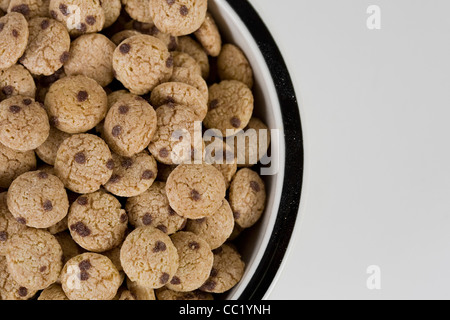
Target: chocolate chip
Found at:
x=175, y=280
x=213, y=273
x=45, y=24
x=236, y=215
x=169, y=62
x=63, y=9
x=164, y=278
x=42, y=175
x=163, y=153
x=90, y=20
x=3, y=236
x=2, y=25
x=159, y=246
x=124, y=109
x=84, y=276
x=15, y=33
x=110, y=164
x=213, y=104
x=53, y=14
x=64, y=57
x=82, y=28
x=8, y=90
x=173, y=45
x=116, y=131
x=22, y=8
x=42, y=269
x=147, y=219
x=255, y=186
x=170, y=2
x=22, y=291
x=21, y=220
x=81, y=229
x=184, y=11
x=47, y=205
x=171, y=211
x=208, y=285
x=82, y=201
x=162, y=228
x=125, y=48
x=148, y=174
x=115, y=178
x=194, y=245
x=54, y=121
x=82, y=96
x=127, y=163
x=27, y=102
x=85, y=265
x=235, y=122
x=15, y=109
x=123, y=218
x=195, y=195
x=80, y=158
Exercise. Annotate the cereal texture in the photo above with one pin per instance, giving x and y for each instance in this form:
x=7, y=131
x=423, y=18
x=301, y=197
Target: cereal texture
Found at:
x=112, y=11
x=167, y=294
x=190, y=77
x=13, y=38
x=54, y=292
x=47, y=151
x=221, y=156
x=4, y=5
x=69, y=247
x=9, y=288
x=209, y=36
x=138, y=10
x=140, y=292
x=13, y=163
x=195, y=50
x=122, y=35
x=30, y=8
x=257, y=142
x=16, y=80
x=8, y=225
x=183, y=60
x=232, y=64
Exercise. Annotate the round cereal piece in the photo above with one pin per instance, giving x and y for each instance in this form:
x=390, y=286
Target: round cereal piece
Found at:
x=24, y=124
x=195, y=50
x=150, y=29
x=216, y=229
x=4, y=4
x=13, y=163
x=78, y=16
x=196, y=260
x=209, y=36
x=76, y=104
x=91, y=56
x=164, y=171
x=34, y=258
x=8, y=224
x=132, y=175
x=149, y=257
x=114, y=256
x=38, y=198
x=247, y=197
x=47, y=151
x=127, y=295
x=174, y=138
x=9, y=288
x=166, y=294
x=69, y=247
x=152, y=209
x=48, y=46
x=191, y=78
x=16, y=80
x=141, y=63
x=179, y=17
x=130, y=126
x=97, y=222
x=257, y=141
x=30, y=8
x=13, y=38
x=230, y=107
x=54, y=292
x=90, y=276
x=119, y=95
x=227, y=270
x=112, y=10
x=221, y=156
x=140, y=292
x=195, y=191
x=232, y=64
x=138, y=10
x=122, y=35
x=84, y=163
x=182, y=94
x=183, y=60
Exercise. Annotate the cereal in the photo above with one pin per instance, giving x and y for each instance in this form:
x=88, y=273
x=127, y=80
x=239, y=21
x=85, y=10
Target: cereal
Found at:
x=13, y=38
x=195, y=50
x=30, y=8
x=13, y=163
x=16, y=80
x=209, y=37
x=232, y=64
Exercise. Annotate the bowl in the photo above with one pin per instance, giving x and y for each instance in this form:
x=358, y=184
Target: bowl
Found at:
x=264, y=246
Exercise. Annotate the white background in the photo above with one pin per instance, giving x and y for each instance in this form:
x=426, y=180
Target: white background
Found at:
x=375, y=108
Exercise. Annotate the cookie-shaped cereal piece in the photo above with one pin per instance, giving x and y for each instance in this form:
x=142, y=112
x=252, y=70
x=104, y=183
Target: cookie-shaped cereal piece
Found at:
x=84, y=163
x=138, y=10
x=130, y=126
x=13, y=163
x=174, y=138
x=54, y=292
x=69, y=247
x=221, y=156
x=16, y=80
x=38, y=199
x=119, y=95
x=195, y=50
x=97, y=222
x=4, y=5
x=149, y=257
x=78, y=16
x=9, y=288
x=76, y=104
x=132, y=175
x=216, y=229
x=91, y=55
x=152, y=209
x=34, y=258
x=61, y=225
x=13, y=38
x=150, y=29
x=232, y=64
x=112, y=11
x=190, y=77
x=48, y=46
x=230, y=107
x=90, y=276
x=30, y=8
x=209, y=36
x=8, y=224
x=196, y=260
x=178, y=17
x=141, y=63
x=183, y=60
x=195, y=191
x=122, y=35
x=257, y=141
x=166, y=294
x=247, y=197
x=24, y=124
x=182, y=94
x=47, y=151
x=140, y=292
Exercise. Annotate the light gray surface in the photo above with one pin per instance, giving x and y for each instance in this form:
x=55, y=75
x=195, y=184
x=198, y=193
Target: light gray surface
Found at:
x=375, y=107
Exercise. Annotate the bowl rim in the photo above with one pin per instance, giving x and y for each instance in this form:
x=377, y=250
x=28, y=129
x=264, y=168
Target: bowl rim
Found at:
x=288, y=210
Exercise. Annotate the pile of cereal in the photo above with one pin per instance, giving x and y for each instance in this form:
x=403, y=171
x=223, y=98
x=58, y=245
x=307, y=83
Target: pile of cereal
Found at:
x=105, y=195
